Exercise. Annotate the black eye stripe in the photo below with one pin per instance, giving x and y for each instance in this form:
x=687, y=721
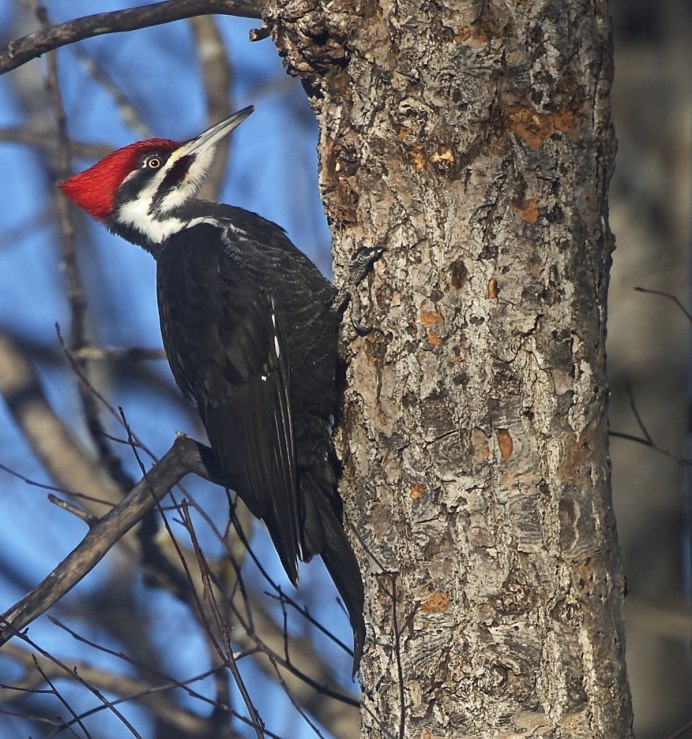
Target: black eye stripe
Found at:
x=176, y=174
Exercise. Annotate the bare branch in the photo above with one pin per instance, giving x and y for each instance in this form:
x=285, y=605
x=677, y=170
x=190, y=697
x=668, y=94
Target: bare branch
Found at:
x=307, y=675
x=131, y=354
x=127, y=111
x=35, y=44
x=162, y=680
x=75, y=292
x=331, y=707
x=43, y=140
x=216, y=72
x=183, y=457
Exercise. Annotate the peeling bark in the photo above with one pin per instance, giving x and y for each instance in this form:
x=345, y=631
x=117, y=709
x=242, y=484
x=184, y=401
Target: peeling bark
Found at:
x=474, y=142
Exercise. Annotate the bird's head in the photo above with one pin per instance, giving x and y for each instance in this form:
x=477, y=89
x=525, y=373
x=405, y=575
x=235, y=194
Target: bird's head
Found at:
x=139, y=190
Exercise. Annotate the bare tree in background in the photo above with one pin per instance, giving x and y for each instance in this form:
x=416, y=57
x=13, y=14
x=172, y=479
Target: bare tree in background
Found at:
x=474, y=143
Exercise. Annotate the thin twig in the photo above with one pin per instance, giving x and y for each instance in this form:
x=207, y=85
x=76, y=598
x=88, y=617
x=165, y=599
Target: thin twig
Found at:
x=129, y=688
x=635, y=411
x=58, y=695
x=294, y=702
x=648, y=439
x=167, y=681
x=86, y=383
x=60, y=451
x=75, y=676
x=670, y=296
x=88, y=518
x=257, y=722
x=682, y=461
x=681, y=731
x=75, y=287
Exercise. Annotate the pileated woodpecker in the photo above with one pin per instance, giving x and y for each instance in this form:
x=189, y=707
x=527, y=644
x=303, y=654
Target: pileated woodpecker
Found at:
x=250, y=330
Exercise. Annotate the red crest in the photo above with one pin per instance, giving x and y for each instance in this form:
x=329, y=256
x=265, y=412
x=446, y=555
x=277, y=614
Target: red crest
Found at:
x=94, y=189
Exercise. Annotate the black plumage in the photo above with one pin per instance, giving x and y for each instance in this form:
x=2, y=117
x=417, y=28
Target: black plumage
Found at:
x=250, y=329
x=257, y=355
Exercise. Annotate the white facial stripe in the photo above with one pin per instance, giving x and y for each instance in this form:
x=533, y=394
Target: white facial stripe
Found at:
x=150, y=219
x=136, y=214
x=192, y=182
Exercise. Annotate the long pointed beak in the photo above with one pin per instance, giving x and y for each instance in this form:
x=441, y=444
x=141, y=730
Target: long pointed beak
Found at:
x=214, y=134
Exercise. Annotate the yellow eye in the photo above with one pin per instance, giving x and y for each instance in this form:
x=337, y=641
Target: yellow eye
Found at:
x=153, y=162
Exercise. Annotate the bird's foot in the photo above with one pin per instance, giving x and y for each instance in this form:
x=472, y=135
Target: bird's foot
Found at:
x=361, y=263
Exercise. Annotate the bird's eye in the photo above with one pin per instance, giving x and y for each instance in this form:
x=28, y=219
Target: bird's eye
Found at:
x=153, y=162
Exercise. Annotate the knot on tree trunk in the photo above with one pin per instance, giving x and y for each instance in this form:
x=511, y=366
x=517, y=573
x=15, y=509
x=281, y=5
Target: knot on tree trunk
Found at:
x=312, y=43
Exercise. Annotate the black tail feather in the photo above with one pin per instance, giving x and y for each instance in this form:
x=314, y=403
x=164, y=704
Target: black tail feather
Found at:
x=324, y=535
x=342, y=565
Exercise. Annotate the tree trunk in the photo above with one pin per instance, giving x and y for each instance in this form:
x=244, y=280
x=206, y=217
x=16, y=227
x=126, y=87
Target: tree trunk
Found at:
x=474, y=142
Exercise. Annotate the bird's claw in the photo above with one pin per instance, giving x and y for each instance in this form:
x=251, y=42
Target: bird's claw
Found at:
x=361, y=263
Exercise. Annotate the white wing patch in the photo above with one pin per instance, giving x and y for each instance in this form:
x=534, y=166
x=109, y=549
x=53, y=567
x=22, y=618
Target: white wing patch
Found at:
x=277, y=348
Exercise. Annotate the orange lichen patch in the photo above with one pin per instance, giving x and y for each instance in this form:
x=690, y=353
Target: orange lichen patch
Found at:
x=415, y=148
x=479, y=442
x=504, y=441
x=527, y=210
x=563, y=120
x=430, y=318
x=436, y=603
x=492, y=288
x=444, y=155
x=416, y=491
x=534, y=128
x=417, y=157
x=434, y=339
x=531, y=126
x=470, y=33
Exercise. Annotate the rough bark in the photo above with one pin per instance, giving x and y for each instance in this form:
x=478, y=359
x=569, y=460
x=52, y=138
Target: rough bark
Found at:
x=474, y=142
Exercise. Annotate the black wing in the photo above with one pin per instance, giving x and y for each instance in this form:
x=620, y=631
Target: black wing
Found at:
x=251, y=337
x=225, y=345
